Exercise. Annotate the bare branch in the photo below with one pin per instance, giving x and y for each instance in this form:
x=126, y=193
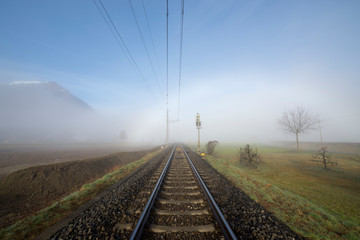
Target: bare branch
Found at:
x=249, y=156
x=298, y=121
x=324, y=158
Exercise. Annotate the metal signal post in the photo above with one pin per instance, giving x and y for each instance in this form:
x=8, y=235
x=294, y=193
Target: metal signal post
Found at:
x=198, y=126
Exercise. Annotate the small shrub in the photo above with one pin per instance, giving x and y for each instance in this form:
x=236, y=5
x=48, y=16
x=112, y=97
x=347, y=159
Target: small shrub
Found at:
x=323, y=157
x=210, y=146
x=249, y=156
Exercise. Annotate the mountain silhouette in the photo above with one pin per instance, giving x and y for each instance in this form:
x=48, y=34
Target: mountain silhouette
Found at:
x=40, y=111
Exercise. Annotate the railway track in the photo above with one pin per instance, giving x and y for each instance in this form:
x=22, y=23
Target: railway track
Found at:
x=181, y=206
x=167, y=199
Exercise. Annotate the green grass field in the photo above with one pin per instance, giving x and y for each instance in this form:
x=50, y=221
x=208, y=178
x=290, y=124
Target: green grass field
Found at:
x=314, y=202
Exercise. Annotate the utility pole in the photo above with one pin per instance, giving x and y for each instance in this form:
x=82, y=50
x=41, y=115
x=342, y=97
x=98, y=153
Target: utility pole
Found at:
x=167, y=73
x=167, y=127
x=198, y=126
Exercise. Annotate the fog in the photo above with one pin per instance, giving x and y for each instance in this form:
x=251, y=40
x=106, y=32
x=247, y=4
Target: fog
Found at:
x=243, y=64
x=235, y=115
x=45, y=112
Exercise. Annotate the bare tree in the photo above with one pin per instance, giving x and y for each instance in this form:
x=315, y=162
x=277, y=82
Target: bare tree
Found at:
x=249, y=156
x=324, y=158
x=298, y=121
x=210, y=146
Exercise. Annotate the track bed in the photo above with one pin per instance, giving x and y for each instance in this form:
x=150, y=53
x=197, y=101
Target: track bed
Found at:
x=171, y=198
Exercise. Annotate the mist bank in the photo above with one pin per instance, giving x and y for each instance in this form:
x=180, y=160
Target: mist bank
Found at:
x=44, y=112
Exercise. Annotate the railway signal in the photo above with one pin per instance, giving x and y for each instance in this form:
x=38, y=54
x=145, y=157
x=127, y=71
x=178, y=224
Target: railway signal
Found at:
x=198, y=126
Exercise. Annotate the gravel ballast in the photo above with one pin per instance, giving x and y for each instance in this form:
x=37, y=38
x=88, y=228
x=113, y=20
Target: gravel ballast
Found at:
x=115, y=215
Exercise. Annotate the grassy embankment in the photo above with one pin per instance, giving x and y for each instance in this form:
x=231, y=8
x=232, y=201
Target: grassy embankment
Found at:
x=30, y=227
x=316, y=203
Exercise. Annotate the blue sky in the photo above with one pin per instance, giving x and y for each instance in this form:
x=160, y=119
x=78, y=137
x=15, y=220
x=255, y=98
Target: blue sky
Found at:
x=244, y=63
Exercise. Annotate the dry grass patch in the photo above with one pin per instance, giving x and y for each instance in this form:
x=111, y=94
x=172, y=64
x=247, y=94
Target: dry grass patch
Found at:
x=316, y=203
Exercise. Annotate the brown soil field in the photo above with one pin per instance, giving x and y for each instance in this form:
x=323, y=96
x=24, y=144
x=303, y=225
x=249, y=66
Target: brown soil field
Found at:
x=28, y=190
x=14, y=157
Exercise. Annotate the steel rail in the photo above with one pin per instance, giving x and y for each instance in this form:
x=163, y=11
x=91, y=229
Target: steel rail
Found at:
x=139, y=229
x=225, y=227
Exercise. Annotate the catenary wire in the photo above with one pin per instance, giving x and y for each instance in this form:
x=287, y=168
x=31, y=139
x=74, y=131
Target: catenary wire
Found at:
x=112, y=31
x=181, y=46
x=151, y=38
x=145, y=46
x=125, y=49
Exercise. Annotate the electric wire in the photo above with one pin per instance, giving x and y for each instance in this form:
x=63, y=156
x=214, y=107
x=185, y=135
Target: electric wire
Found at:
x=144, y=44
x=151, y=38
x=112, y=31
x=125, y=49
x=181, y=46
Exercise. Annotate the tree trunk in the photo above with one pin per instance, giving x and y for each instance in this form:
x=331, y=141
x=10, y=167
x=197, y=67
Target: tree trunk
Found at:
x=297, y=141
x=324, y=158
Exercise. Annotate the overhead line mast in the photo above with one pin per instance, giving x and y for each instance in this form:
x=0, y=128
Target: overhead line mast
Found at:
x=167, y=65
x=167, y=72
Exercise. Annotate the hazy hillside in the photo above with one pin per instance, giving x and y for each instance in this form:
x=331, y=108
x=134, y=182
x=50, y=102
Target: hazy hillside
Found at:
x=40, y=111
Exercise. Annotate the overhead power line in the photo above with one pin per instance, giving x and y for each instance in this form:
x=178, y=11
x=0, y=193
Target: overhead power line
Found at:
x=143, y=42
x=112, y=31
x=181, y=46
x=124, y=47
x=151, y=37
